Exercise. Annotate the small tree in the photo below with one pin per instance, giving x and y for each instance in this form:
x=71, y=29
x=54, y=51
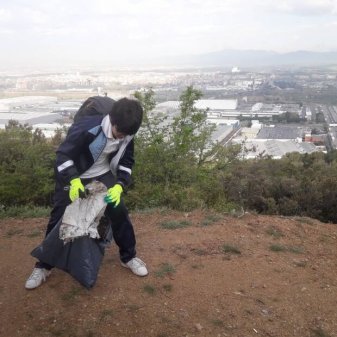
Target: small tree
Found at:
x=170, y=152
x=191, y=133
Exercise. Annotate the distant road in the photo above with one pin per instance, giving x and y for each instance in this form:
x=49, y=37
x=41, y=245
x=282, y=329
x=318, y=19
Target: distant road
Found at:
x=330, y=113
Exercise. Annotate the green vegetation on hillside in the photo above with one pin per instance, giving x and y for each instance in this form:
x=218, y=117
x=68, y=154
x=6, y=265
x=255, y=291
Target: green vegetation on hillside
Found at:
x=178, y=167
x=26, y=167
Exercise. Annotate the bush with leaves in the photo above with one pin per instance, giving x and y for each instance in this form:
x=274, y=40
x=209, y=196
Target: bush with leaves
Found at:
x=26, y=166
x=178, y=166
x=170, y=153
x=297, y=184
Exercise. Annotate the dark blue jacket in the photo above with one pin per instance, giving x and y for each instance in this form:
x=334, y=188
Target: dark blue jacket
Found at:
x=84, y=143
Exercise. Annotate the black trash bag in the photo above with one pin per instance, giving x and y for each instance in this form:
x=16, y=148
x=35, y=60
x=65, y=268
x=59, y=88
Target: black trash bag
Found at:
x=105, y=230
x=80, y=258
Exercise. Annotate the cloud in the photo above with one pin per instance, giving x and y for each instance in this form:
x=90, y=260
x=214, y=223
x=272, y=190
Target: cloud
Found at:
x=5, y=15
x=307, y=7
x=112, y=29
x=7, y=32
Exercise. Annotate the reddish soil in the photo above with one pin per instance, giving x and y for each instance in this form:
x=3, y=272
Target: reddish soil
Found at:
x=220, y=276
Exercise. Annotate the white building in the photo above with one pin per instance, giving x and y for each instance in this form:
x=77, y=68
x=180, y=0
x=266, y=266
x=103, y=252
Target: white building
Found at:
x=223, y=121
x=249, y=133
x=24, y=102
x=35, y=109
x=217, y=104
x=253, y=148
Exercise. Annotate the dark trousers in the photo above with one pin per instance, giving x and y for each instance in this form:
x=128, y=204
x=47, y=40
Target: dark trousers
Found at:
x=121, y=225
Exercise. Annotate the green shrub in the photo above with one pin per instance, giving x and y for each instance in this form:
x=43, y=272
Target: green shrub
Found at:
x=178, y=167
x=24, y=212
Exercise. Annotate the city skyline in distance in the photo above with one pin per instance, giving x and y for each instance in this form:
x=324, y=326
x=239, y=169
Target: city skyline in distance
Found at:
x=60, y=34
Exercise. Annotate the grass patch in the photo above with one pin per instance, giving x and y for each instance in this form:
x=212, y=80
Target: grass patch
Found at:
x=62, y=329
x=197, y=266
x=278, y=248
x=325, y=238
x=35, y=233
x=105, y=315
x=14, y=231
x=274, y=232
x=209, y=220
x=217, y=322
x=174, y=224
x=295, y=250
x=290, y=249
x=199, y=251
x=24, y=212
x=165, y=269
x=304, y=220
x=71, y=294
x=319, y=332
x=149, y=289
x=229, y=249
x=167, y=287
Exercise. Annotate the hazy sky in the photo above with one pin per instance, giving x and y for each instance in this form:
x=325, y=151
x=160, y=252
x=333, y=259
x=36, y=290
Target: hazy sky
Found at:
x=97, y=32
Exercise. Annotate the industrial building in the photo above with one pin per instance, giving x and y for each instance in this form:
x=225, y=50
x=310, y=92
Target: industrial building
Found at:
x=276, y=149
x=281, y=133
x=217, y=105
x=273, y=141
x=33, y=110
x=214, y=107
x=225, y=128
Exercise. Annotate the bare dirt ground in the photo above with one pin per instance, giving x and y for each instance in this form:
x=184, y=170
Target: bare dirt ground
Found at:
x=218, y=276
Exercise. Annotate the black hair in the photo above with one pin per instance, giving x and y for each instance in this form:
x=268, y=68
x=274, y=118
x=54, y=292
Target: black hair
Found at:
x=127, y=115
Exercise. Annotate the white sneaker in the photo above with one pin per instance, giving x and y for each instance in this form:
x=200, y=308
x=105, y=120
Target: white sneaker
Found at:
x=38, y=276
x=137, y=266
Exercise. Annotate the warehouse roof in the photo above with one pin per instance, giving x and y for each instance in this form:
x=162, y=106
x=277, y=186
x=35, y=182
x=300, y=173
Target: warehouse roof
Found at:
x=276, y=148
x=280, y=132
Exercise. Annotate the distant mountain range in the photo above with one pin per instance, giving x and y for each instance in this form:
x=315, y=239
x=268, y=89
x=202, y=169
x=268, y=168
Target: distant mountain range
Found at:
x=250, y=58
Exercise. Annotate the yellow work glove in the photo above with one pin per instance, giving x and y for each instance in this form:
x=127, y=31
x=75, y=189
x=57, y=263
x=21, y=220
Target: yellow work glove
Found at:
x=76, y=189
x=114, y=195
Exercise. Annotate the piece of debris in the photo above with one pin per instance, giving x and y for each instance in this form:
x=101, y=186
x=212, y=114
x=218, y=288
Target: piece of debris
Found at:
x=198, y=326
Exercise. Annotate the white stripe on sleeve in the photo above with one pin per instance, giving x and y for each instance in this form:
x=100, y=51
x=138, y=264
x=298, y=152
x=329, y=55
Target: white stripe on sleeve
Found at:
x=123, y=168
x=65, y=165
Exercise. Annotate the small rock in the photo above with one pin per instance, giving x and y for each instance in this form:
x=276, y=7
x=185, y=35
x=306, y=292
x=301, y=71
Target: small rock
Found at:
x=265, y=311
x=198, y=326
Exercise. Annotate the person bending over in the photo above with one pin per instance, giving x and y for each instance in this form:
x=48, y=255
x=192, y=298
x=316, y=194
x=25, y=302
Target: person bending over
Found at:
x=101, y=148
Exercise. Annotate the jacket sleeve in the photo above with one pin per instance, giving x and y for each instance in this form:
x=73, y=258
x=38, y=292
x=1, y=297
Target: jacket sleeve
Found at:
x=124, y=168
x=68, y=151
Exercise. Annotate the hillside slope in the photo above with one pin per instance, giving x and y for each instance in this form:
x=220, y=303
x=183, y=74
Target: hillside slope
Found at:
x=218, y=276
